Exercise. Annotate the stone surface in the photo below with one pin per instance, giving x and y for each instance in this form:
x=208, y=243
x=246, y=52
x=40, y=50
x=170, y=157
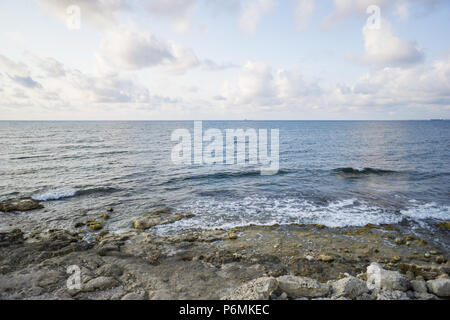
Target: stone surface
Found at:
x=392, y=295
x=379, y=278
x=134, y=296
x=350, y=287
x=158, y=218
x=440, y=287
x=258, y=289
x=297, y=287
x=419, y=286
x=100, y=283
x=20, y=205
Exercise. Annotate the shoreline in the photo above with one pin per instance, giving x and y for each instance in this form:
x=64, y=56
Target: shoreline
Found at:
x=217, y=264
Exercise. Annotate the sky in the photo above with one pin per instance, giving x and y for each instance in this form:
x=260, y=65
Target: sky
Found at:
x=224, y=59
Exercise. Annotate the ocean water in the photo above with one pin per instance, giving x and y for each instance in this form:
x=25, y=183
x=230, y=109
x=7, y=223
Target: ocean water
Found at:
x=336, y=173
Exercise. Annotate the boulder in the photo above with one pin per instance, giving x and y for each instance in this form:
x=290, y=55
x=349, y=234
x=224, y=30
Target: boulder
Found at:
x=350, y=287
x=298, y=287
x=20, y=205
x=379, y=278
x=419, y=286
x=440, y=287
x=258, y=289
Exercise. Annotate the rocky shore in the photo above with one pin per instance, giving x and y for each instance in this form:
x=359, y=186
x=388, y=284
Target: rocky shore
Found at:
x=253, y=262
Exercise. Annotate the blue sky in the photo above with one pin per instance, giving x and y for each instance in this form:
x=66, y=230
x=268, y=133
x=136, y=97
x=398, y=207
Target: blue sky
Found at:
x=211, y=59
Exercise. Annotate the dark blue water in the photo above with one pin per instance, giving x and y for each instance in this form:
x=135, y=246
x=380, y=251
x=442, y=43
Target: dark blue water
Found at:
x=337, y=173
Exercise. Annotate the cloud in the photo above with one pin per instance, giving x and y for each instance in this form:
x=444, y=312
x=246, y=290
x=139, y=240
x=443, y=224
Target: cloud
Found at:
x=211, y=65
x=383, y=48
x=421, y=87
x=303, y=12
x=128, y=48
x=51, y=67
x=18, y=73
x=72, y=88
x=100, y=13
x=179, y=11
x=252, y=12
x=260, y=86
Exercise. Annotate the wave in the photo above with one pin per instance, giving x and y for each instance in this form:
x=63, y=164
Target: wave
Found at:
x=364, y=171
x=223, y=175
x=59, y=194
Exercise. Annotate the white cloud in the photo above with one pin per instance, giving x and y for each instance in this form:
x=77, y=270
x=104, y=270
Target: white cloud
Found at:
x=382, y=47
x=422, y=87
x=252, y=12
x=130, y=49
x=260, y=86
x=303, y=13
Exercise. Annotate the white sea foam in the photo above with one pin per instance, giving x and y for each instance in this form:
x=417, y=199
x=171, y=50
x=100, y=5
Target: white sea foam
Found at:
x=213, y=213
x=429, y=210
x=54, y=194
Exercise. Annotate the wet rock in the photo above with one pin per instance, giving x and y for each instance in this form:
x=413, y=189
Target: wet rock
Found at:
x=297, y=287
x=13, y=237
x=100, y=283
x=325, y=258
x=379, y=278
x=20, y=205
x=350, y=287
x=440, y=287
x=444, y=225
x=95, y=225
x=258, y=289
x=157, y=218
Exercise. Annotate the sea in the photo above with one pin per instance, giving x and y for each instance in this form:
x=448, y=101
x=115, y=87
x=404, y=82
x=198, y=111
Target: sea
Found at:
x=336, y=173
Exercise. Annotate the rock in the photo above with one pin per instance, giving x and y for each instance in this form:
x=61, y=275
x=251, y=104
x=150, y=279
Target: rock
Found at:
x=95, y=225
x=13, y=237
x=161, y=295
x=133, y=296
x=379, y=278
x=440, y=287
x=258, y=289
x=419, y=286
x=424, y=296
x=100, y=283
x=297, y=287
x=444, y=225
x=350, y=287
x=392, y=295
x=20, y=205
x=440, y=259
x=158, y=218
x=109, y=270
x=325, y=258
